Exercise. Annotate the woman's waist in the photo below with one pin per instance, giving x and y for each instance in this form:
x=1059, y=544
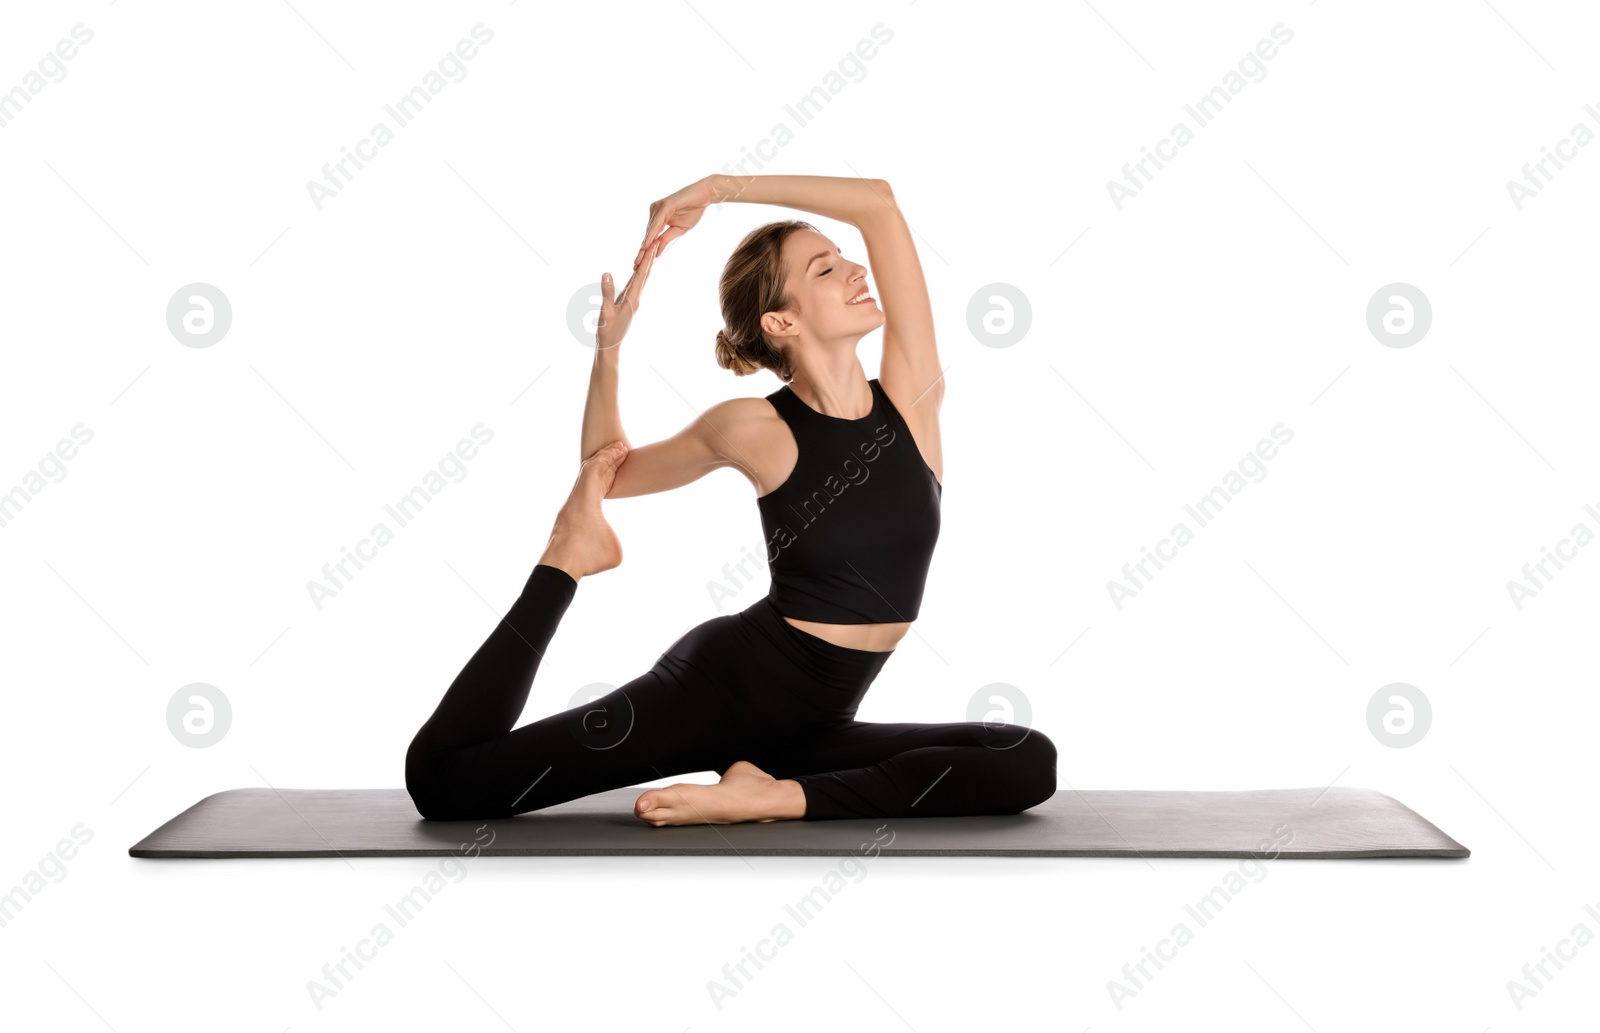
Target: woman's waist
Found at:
x=873, y=638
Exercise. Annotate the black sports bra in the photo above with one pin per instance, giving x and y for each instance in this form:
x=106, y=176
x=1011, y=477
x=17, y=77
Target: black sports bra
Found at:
x=851, y=531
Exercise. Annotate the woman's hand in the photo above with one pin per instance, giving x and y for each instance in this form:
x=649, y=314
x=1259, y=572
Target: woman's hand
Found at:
x=673, y=216
x=616, y=314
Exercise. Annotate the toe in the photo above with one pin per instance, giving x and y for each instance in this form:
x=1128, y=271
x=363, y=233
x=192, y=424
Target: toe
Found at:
x=656, y=806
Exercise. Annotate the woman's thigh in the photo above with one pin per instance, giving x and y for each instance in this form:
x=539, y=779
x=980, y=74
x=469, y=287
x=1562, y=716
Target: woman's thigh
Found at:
x=855, y=744
x=657, y=725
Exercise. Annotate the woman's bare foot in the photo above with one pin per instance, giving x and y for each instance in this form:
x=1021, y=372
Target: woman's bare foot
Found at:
x=746, y=793
x=582, y=543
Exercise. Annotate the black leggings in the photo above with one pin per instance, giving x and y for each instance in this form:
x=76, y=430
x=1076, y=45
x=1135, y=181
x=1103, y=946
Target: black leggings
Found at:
x=741, y=686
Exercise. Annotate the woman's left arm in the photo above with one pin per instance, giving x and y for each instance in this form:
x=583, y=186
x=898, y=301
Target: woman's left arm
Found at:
x=910, y=368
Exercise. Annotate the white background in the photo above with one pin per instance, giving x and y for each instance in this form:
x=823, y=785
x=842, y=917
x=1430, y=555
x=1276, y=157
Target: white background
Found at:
x=1167, y=338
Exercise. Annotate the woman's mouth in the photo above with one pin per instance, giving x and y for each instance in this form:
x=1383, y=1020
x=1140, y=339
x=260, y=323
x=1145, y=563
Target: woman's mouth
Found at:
x=861, y=298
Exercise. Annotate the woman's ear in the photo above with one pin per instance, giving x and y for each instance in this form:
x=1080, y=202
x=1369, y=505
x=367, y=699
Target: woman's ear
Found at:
x=778, y=324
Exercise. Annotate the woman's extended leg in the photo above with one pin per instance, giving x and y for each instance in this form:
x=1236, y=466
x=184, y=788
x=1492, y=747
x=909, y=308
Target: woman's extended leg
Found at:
x=468, y=762
x=659, y=724
x=491, y=690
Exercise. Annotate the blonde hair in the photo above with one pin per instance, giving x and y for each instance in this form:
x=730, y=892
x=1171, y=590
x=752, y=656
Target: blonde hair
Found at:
x=753, y=285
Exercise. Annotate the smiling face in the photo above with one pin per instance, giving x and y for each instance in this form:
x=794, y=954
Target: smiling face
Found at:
x=829, y=297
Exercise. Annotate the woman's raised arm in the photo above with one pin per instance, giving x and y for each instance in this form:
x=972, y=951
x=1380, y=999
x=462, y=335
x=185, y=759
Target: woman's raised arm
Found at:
x=843, y=198
x=602, y=417
x=910, y=371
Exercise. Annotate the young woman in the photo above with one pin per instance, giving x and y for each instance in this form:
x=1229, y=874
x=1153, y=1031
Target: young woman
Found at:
x=844, y=471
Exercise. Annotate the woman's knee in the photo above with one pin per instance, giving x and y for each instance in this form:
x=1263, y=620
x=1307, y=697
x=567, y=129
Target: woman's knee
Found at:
x=1034, y=769
x=424, y=796
x=430, y=787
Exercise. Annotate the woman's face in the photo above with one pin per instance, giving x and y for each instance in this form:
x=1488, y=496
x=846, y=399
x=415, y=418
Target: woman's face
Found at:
x=828, y=296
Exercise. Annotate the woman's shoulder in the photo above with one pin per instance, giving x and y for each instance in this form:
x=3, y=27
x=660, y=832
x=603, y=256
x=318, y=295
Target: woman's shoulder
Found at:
x=744, y=412
x=755, y=438
x=745, y=423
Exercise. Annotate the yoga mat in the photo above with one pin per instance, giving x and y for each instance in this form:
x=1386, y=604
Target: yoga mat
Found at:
x=1264, y=823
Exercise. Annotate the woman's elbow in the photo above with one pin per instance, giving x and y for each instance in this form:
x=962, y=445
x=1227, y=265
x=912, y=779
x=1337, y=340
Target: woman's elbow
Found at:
x=622, y=484
x=880, y=201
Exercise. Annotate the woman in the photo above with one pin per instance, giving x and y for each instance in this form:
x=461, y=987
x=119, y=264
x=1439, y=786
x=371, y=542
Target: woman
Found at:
x=849, y=498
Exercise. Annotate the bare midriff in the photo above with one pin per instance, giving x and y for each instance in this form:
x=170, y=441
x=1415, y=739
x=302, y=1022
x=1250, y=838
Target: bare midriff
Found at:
x=875, y=638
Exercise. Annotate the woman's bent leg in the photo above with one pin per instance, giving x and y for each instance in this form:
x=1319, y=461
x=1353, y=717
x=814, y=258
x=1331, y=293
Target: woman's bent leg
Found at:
x=807, y=689
x=860, y=769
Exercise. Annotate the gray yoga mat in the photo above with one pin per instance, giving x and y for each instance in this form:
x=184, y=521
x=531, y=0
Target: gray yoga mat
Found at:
x=1265, y=823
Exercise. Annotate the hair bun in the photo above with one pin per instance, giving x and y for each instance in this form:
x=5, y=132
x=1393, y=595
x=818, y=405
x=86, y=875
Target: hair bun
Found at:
x=728, y=356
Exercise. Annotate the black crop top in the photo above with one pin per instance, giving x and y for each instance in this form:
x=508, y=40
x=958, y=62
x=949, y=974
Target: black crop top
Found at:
x=851, y=531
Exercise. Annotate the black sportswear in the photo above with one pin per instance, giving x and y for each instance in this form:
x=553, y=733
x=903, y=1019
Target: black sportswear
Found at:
x=850, y=532
x=740, y=686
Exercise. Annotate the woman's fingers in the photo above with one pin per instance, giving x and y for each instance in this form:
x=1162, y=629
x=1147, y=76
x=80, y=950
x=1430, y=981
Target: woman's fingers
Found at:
x=656, y=245
x=643, y=275
x=673, y=215
x=672, y=233
x=616, y=313
x=635, y=286
x=636, y=282
x=651, y=247
x=652, y=228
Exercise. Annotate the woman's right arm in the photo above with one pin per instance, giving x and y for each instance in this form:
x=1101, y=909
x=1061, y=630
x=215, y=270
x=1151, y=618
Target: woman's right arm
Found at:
x=726, y=434
x=706, y=444
x=602, y=418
